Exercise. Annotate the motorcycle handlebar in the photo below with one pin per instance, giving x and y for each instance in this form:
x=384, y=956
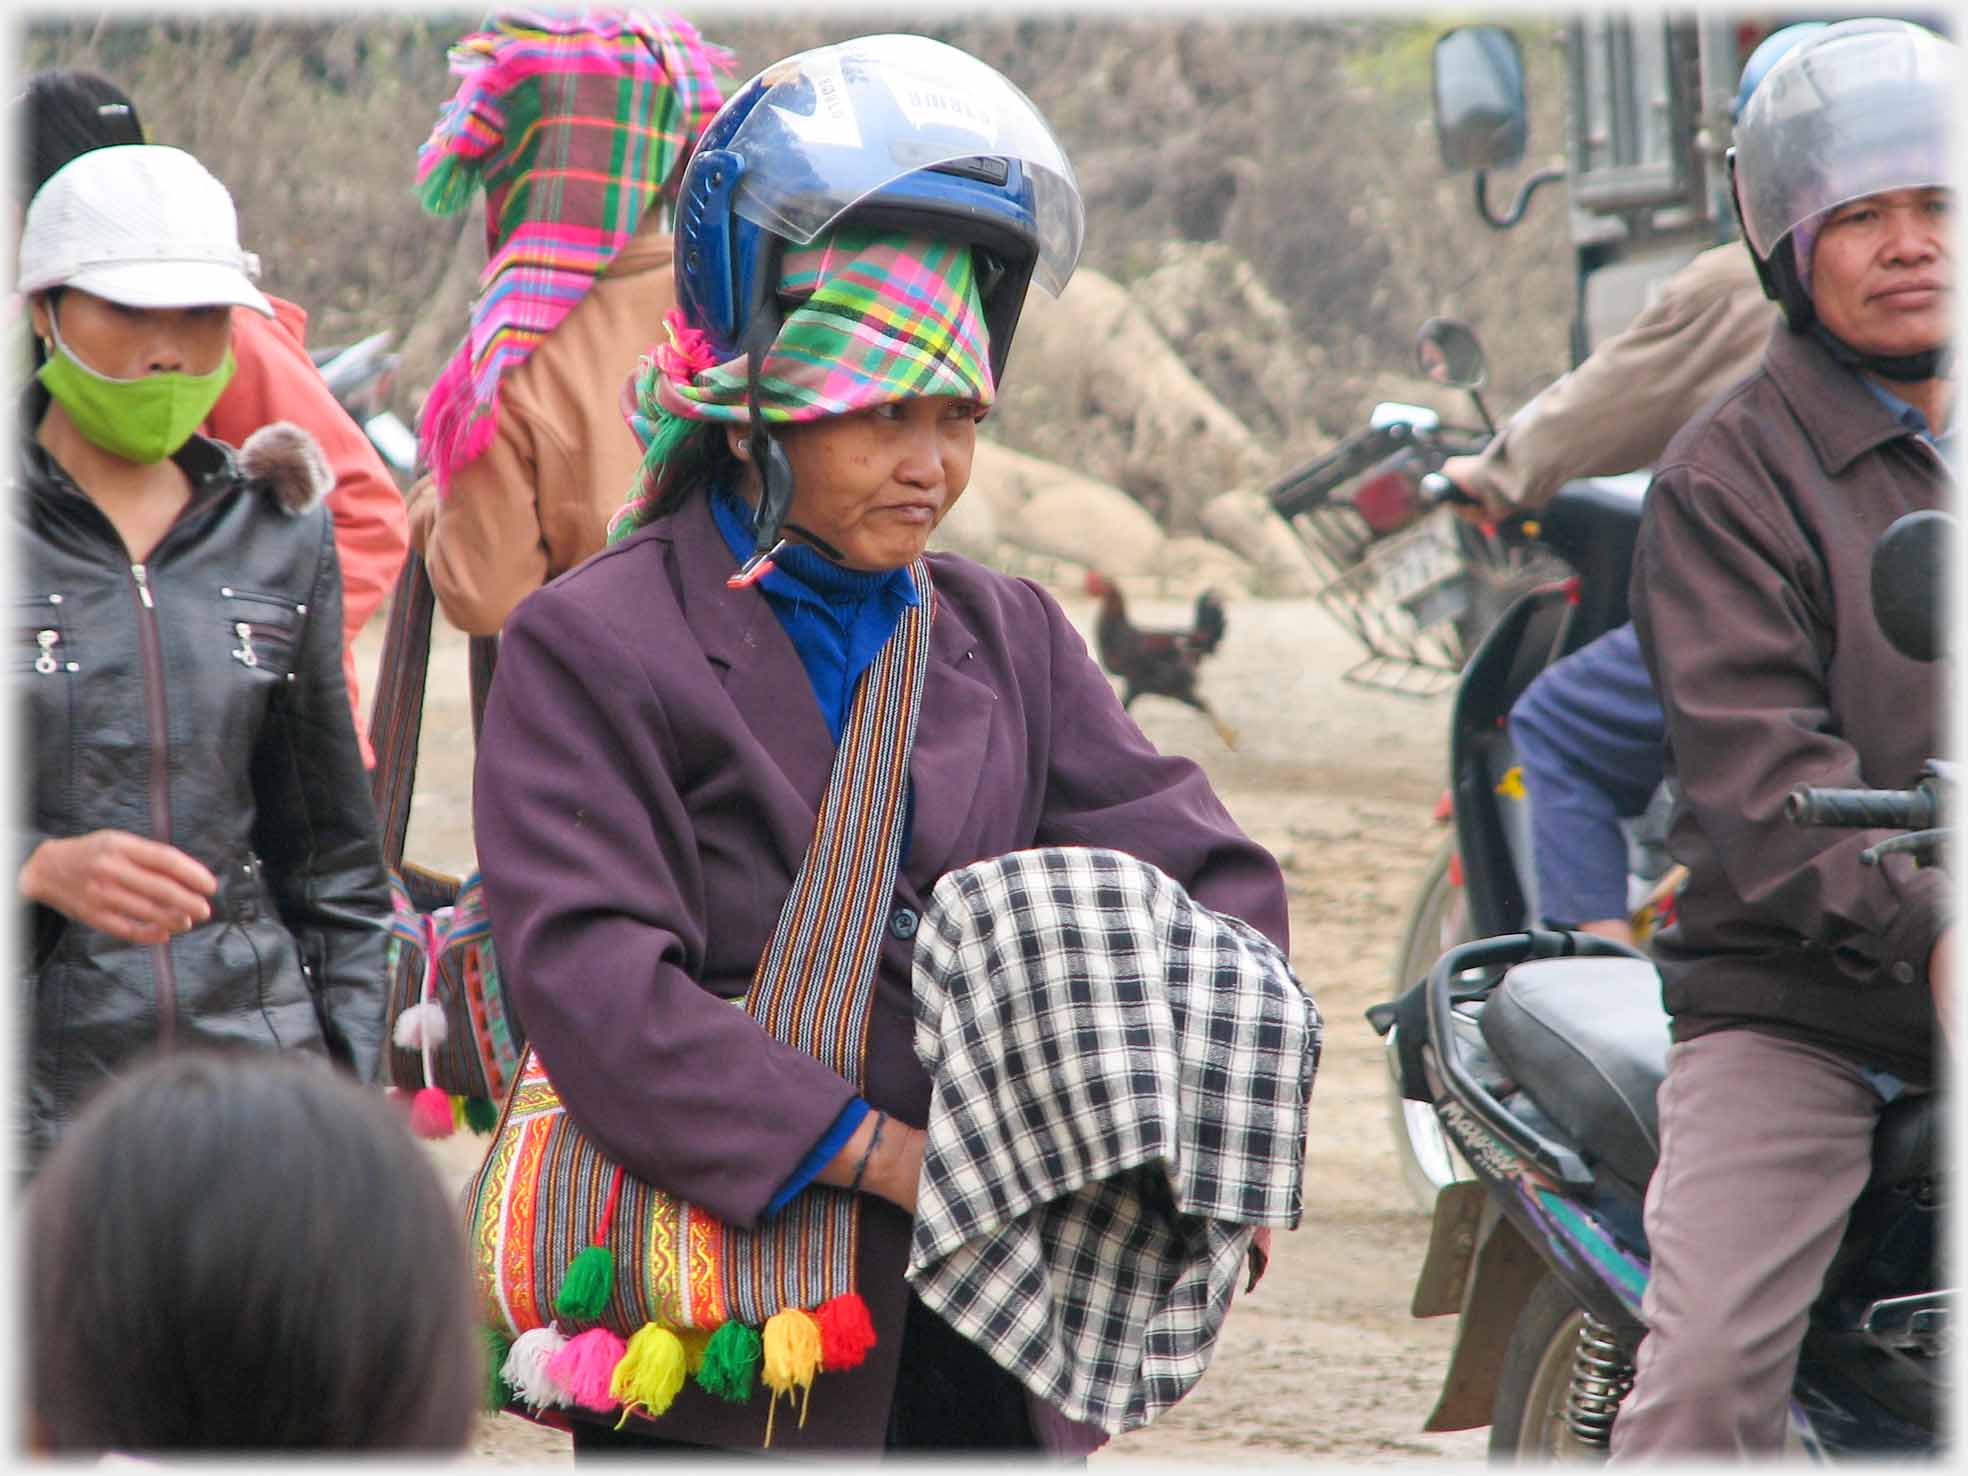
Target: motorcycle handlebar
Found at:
x=1863, y=809
x=1309, y=485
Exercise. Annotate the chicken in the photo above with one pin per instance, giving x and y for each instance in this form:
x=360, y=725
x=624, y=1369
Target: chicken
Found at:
x=1159, y=662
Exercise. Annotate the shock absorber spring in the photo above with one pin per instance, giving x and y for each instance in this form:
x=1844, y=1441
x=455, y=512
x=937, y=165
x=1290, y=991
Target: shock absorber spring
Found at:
x=1601, y=1376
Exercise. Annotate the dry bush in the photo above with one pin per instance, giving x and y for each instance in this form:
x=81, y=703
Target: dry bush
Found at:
x=1303, y=144
x=313, y=125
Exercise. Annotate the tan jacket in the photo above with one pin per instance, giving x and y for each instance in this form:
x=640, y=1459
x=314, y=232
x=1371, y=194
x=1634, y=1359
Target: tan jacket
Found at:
x=1617, y=410
x=537, y=501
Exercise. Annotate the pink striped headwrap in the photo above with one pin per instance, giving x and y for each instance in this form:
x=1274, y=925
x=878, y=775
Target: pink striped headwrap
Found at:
x=571, y=122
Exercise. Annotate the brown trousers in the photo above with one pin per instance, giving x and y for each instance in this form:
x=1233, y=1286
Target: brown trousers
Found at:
x=1765, y=1143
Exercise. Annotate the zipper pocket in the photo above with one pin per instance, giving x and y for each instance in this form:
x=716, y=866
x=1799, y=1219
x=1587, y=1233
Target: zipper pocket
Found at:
x=262, y=645
x=46, y=645
x=257, y=597
x=259, y=635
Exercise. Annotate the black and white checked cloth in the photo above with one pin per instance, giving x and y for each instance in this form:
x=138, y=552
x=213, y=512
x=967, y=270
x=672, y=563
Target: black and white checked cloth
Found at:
x=1119, y=1087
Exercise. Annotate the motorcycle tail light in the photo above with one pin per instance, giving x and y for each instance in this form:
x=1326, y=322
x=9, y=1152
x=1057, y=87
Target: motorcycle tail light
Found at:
x=1387, y=497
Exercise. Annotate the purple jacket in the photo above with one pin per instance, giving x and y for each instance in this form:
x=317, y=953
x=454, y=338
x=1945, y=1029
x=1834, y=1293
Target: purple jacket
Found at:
x=651, y=766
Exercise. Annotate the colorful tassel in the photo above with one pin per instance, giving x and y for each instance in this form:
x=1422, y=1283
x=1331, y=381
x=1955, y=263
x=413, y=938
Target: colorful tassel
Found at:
x=481, y=1116
x=430, y=1113
x=590, y=1278
x=525, y=1368
x=446, y=185
x=694, y=1340
x=650, y=1373
x=590, y=1281
x=457, y=1113
x=731, y=1362
x=421, y=1024
x=791, y=1344
x=846, y=1331
x=497, y=1350
x=586, y=1367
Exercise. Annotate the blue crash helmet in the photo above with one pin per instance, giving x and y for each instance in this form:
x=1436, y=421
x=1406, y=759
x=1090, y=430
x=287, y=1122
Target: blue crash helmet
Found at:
x=901, y=132
x=1772, y=49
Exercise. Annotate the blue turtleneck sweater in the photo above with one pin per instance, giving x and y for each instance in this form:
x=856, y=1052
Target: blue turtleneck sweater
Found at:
x=837, y=618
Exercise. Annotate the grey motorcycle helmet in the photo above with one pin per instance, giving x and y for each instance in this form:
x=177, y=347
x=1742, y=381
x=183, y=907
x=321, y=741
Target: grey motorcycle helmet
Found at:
x=1859, y=108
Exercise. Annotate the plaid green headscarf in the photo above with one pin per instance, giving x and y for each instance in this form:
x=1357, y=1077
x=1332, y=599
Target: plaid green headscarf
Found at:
x=882, y=316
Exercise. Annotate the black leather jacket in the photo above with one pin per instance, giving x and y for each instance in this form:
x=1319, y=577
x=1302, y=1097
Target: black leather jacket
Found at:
x=196, y=699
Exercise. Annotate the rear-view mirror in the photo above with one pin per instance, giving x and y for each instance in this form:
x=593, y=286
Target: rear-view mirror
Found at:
x=1480, y=116
x=1910, y=583
x=1447, y=351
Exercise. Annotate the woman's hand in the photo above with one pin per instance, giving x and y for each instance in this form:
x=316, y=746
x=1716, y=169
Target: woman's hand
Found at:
x=1260, y=1256
x=888, y=1156
x=139, y=890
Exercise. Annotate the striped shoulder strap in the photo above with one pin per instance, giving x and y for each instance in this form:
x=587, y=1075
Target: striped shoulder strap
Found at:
x=815, y=983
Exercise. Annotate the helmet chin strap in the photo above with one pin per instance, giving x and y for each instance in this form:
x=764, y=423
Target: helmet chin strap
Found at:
x=1902, y=368
x=769, y=525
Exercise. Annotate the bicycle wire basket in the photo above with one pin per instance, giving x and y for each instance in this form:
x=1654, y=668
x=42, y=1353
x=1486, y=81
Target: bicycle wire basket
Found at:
x=1397, y=594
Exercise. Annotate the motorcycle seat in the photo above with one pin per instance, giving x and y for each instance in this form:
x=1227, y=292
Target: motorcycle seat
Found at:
x=1593, y=524
x=1608, y=506
x=1906, y=1145
x=1586, y=1039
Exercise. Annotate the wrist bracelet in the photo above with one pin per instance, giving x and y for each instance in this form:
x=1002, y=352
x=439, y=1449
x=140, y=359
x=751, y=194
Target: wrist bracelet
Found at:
x=874, y=1139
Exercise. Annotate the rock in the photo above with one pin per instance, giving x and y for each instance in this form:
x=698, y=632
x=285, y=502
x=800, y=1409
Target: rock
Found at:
x=1088, y=523
x=1237, y=338
x=1188, y=564
x=970, y=527
x=1006, y=478
x=1093, y=384
x=1243, y=521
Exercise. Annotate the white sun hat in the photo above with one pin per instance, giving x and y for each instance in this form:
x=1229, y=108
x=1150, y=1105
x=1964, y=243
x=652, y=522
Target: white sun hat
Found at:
x=143, y=225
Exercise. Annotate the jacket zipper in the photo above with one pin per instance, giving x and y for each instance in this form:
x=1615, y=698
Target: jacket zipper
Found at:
x=160, y=778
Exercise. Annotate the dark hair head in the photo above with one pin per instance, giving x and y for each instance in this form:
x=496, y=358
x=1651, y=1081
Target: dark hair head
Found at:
x=701, y=461
x=246, y=1251
x=62, y=113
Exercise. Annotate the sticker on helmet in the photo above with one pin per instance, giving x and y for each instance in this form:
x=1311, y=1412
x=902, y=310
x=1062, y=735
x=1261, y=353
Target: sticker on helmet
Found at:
x=832, y=122
x=928, y=104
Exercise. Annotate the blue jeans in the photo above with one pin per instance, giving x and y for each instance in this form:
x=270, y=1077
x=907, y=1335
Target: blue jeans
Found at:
x=1590, y=735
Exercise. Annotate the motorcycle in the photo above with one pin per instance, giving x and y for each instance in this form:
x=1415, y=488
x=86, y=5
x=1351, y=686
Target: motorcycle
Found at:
x=361, y=375
x=1541, y=1053
x=1481, y=882
x=1415, y=586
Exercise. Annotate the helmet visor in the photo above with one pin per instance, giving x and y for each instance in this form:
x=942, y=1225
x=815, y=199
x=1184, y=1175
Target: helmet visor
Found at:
x=840, y=122
x=1860, y=109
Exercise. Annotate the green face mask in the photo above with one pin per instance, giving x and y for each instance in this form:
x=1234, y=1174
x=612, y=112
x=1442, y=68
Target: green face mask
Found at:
x=144, y=419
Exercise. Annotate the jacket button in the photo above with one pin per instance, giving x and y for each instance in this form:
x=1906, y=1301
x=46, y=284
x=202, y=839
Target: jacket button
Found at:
x=902, y=923
x=1902, y=972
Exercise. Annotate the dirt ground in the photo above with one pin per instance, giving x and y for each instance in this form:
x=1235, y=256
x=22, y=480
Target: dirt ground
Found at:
x=1322, y=1363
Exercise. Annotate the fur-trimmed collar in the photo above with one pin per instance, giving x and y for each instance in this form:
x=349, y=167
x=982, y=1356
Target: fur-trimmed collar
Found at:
x=288, y=464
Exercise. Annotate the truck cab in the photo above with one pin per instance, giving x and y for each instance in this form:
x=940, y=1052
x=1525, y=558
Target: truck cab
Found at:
x=1646, y=128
